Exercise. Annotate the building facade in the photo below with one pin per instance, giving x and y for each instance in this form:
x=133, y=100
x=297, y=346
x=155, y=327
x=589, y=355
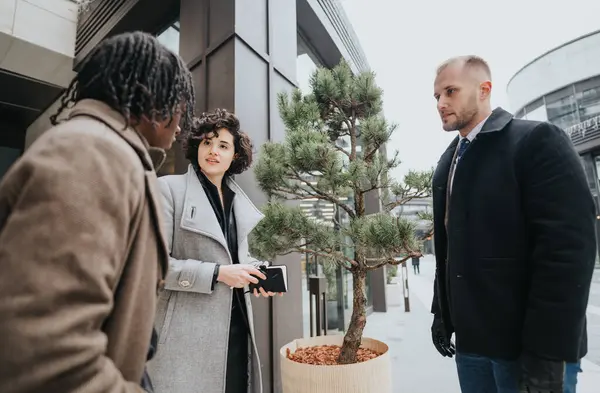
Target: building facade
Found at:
x=562, y=86
x=242, y=53
x=32, y=30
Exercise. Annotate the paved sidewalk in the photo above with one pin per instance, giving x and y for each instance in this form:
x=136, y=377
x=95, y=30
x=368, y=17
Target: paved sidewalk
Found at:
x=417, y=366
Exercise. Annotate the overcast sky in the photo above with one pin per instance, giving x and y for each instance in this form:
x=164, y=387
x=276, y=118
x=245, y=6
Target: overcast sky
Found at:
x=404, y=41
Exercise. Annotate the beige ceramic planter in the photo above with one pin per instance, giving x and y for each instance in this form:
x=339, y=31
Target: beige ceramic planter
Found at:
x=372, y=376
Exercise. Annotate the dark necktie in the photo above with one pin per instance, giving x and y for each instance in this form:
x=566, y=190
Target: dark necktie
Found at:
x=464, y=143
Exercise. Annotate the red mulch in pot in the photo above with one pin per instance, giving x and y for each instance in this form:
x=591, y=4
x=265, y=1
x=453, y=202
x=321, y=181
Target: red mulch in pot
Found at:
x=327, y=355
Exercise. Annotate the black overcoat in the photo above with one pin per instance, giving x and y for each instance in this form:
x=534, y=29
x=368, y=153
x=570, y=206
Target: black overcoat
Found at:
x=514, y=261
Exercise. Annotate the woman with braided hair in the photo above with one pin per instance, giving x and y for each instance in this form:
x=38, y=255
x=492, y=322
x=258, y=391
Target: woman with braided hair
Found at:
x=81, y=246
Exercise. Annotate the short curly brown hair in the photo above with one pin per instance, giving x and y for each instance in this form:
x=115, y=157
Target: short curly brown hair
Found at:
x=209, y=123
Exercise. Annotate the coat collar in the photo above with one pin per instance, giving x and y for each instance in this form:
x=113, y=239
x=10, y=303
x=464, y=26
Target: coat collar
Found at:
x=152, y=157
x=198, y=215
x=497, y=121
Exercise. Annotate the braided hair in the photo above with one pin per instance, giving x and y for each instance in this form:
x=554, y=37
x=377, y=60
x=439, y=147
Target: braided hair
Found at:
x=135, y=75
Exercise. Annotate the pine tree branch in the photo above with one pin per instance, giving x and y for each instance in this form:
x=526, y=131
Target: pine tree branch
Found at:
x=376, y=263
x=375, y=147
x=377, y=186
x=339, y=108
x=285, y=193
x=380, y=262
x=370, y=154
x=353, y=137
x=322, y=195
x=301, y=248
x=339, y=148
x=320, y=254
x=336, y=222
x=402, y=201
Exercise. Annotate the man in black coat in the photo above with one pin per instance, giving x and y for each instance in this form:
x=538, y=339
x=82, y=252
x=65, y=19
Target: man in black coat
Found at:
x=515, y=241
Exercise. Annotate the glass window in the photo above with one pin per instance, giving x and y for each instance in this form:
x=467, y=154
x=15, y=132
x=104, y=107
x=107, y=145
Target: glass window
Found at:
x=170, y=37
x=588, y=98
x=534, y=105
x=8, y=156
x=589, y=103
x=306, y=64
x=539, y=114
x=562, y=108
x=592, y=172
x=593, y=175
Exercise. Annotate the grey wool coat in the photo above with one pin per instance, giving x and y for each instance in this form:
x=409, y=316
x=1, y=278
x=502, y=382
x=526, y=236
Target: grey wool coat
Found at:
x=193, y=321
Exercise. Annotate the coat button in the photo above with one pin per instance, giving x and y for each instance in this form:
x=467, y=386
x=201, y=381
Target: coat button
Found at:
x=184, y=283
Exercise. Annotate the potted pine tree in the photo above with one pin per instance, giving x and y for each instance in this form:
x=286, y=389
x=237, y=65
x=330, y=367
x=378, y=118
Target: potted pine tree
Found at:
x=334, y=151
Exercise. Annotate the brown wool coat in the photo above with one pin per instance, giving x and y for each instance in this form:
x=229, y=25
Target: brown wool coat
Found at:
x=81, y=253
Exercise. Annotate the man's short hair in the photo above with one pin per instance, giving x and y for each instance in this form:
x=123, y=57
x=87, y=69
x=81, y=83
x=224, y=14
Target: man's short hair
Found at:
x=468, y=61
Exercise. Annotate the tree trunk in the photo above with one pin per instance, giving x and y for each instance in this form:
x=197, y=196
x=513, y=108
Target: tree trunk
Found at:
x=353, y=337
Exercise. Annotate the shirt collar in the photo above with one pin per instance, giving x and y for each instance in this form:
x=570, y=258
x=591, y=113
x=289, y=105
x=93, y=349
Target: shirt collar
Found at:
x=475, y=131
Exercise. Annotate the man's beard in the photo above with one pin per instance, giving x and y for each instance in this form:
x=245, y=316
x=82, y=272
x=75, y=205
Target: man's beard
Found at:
x=463, y=120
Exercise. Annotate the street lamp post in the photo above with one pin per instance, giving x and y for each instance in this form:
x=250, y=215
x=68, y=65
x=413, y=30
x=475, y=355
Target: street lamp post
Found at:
x=405, y=291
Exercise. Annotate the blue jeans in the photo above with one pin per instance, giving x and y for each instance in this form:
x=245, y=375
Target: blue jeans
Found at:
x=478, y=374
x=571, y=371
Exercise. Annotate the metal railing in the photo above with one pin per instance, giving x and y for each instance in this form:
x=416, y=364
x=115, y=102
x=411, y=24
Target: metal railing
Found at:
x=586, y=130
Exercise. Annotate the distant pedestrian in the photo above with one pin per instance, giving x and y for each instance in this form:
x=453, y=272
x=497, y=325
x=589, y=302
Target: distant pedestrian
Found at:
x=515, y=243
x=415, y=264
x=82, y=252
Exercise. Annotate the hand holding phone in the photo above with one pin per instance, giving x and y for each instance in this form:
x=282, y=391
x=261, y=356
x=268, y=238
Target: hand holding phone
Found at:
x=275, y=280
x=239, y=275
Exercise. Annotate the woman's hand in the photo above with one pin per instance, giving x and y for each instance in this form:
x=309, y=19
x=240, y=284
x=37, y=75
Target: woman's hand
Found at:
x=239, y=275
x=265, y=293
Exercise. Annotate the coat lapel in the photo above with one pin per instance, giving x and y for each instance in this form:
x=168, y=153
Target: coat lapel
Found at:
x=475, y=155
x=497, y=121
x=246, y=213
x=440, y=180
x=198, y=215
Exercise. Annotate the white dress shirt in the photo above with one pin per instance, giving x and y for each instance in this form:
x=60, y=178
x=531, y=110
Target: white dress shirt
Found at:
x=471, y=137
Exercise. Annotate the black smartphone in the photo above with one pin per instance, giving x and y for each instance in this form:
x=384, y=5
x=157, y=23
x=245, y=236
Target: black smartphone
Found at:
x=276, y=280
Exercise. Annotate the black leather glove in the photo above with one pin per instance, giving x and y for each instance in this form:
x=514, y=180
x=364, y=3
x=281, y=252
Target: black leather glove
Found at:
x=541, y=375
x=441, y=339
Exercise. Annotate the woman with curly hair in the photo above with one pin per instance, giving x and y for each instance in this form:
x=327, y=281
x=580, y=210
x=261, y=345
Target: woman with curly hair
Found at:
x=205, y=322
